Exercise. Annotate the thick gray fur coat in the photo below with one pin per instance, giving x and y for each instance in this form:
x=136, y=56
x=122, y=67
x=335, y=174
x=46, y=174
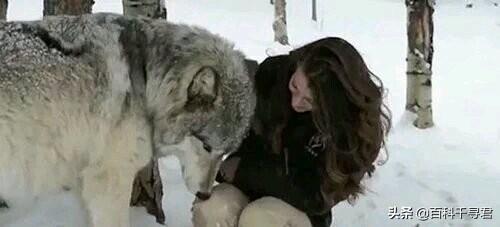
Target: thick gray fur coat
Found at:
x=87, y=101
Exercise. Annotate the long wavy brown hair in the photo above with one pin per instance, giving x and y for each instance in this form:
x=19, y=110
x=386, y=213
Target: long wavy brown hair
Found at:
x=348, y=111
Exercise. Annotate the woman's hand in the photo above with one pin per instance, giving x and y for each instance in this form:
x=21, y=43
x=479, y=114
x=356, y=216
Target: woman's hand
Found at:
x=228, y=168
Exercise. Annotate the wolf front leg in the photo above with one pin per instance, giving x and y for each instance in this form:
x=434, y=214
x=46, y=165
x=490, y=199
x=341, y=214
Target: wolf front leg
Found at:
x=106, y=196
x=107, y=181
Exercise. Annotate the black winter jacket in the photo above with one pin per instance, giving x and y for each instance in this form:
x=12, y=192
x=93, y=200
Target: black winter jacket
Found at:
x=292, y=175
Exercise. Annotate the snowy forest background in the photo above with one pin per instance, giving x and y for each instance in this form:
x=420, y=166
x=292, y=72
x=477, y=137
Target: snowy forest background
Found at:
x=454, y=163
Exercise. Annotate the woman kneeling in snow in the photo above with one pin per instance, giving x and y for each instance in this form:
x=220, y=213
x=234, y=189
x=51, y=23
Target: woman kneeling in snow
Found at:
x=319, y=125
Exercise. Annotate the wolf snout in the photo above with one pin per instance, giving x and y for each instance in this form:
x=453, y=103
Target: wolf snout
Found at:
x=203, y=196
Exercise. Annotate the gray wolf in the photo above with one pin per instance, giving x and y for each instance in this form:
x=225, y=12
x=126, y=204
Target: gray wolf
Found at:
x=86, y=101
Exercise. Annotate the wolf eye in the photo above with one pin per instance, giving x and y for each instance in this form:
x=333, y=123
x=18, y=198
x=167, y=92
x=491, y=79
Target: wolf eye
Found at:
x=207, y=147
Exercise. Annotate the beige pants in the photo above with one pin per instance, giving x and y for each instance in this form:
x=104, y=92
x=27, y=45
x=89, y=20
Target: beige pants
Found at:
x=229, y=207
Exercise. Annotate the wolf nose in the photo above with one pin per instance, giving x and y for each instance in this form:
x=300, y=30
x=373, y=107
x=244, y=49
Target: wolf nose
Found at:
x=202, y=196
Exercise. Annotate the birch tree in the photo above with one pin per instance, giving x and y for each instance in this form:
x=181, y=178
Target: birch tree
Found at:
x=148, y=8
x=67, y=7
x=419, y=60
x=468, y=3
x=147, y=188
x=3, y=9
x=314, y=11
x=279, y=25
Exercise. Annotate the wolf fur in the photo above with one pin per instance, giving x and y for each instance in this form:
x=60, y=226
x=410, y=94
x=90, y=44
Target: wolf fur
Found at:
x=86, y=101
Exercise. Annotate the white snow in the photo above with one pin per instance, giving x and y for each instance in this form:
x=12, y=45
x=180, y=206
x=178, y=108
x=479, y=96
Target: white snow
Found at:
x=454, y=164
x=278, y=49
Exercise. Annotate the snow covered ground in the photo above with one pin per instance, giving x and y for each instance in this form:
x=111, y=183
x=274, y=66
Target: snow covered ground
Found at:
x=455, y=164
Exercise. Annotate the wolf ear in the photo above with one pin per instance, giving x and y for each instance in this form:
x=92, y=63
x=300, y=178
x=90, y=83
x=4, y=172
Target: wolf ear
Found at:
x=203, y=89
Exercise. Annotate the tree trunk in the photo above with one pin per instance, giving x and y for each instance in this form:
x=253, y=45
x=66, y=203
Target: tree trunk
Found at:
x=468, y=3
x=149, y=8
x=67, y=7
x=3, y=9
x=419, y=60
x=279, y=25
x=314, y=14
x=147, y=189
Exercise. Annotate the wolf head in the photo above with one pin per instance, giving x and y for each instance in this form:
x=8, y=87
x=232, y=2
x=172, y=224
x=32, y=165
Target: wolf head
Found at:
x=201, y=100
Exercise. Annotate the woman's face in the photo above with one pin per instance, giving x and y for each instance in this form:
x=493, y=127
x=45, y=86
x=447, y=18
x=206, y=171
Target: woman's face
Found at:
x=301, y=93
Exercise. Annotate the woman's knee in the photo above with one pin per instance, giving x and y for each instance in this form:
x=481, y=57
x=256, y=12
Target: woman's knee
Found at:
x=272, y=212
x=222, y=209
